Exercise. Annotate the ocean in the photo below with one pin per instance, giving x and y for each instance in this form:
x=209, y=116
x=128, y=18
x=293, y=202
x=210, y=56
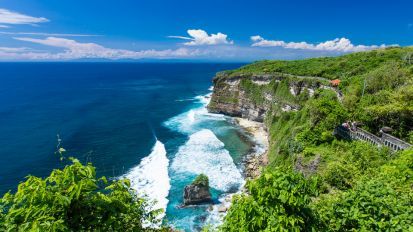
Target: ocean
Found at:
x=143, y=121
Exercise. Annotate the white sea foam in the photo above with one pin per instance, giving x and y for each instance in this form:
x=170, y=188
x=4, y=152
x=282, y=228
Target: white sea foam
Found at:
x=216, y=216
x=205, y=153
x=191, y=116
x=187, y=122
x=150, y=178
x=204, y=99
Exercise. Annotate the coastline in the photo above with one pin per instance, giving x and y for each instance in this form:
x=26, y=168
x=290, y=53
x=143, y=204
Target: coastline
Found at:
x=251, y=166
x=258, y=157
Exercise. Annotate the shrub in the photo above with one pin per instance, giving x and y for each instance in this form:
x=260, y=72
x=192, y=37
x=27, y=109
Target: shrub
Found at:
x=73, y=199
x=278, y=201
x=380, y=201
x=201, y=180
x=339, y=175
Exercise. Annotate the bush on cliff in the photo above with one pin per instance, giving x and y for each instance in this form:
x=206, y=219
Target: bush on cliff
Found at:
x=381, y=200
x=74, y=199
x=201, y=180
x=277, y=201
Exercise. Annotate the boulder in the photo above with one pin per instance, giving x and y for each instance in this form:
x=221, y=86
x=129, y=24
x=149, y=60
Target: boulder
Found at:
x=222, y=209
x=198, y=191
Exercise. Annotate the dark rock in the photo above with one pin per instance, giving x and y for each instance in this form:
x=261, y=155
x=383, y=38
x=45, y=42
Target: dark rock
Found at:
x=309, y=168
x=197, y=192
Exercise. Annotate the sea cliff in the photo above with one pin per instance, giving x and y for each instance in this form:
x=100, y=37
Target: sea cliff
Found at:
x=253, y=96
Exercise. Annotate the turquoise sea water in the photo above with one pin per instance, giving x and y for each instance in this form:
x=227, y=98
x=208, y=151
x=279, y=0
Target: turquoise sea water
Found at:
x=147, y=122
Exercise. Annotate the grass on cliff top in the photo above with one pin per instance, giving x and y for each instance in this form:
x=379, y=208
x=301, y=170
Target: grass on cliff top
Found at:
x=353, y=64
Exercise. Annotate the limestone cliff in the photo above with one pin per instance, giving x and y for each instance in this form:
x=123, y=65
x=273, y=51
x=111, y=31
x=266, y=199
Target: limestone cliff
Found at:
x=252, y=96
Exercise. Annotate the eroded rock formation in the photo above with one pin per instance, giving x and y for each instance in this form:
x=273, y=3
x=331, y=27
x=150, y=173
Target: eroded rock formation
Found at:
x=198, y=191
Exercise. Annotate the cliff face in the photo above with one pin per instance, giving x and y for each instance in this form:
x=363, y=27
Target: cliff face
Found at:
x=253, y=96
x=230, y=99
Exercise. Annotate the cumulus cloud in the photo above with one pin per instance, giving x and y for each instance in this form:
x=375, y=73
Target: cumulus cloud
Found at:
x=77, y=50
x=201, y=37
x=11, y=17
x=336, y=45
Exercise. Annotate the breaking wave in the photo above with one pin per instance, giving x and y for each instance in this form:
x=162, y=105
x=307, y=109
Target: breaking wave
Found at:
x=191, y=121
x=205, y=153
x=150, y=178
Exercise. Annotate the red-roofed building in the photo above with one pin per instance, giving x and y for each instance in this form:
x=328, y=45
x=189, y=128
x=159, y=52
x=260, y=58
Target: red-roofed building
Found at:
x=335, y=82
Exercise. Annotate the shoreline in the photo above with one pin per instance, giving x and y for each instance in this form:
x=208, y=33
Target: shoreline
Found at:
x=251, y=163
x=258, y=156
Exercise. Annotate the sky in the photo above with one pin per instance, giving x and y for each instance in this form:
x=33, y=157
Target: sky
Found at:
x=65, y=30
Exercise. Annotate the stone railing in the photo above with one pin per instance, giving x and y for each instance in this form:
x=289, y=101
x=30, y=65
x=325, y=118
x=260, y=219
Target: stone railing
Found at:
x=387, y=140
x=394, y=143
x=361, y=134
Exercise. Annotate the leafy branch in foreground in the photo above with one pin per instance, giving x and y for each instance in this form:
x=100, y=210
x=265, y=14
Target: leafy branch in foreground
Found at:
x=74, y=199
x=278, y=201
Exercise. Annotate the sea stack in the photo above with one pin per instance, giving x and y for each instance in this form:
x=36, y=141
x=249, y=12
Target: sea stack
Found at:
x=198, y=191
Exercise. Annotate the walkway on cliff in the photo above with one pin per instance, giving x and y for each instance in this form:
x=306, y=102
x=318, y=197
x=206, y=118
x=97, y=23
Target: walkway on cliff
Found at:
x=387, y=140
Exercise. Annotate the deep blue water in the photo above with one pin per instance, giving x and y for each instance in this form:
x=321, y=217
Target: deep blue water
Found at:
x=111, y=114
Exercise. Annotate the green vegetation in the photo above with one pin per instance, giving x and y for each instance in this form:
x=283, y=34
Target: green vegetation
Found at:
x=277, y=201
x=73, y=199
x=354, y=64
x=377, y=85
x=380, y=200
x=201, y=180
x=315, y=181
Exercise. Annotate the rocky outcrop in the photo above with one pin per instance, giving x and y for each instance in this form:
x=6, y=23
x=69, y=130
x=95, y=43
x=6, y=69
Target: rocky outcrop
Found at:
x=307, y=168
x=254, y=164
x=229, y=99
x=197, y=192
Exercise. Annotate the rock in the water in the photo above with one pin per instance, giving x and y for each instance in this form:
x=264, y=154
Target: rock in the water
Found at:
x=222, y=209
x=198, y=191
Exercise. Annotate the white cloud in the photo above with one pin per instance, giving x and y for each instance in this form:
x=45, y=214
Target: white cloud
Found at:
x=179, y=37
x=201, y=37
x=11, y=17
x=12, y=49
x=46, y=34
x=76, y=50
x=337, y=45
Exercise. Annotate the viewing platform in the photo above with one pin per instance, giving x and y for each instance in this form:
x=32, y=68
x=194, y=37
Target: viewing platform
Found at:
x=387, y=140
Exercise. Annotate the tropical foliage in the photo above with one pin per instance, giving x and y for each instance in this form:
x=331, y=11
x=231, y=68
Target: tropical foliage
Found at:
x=74, y=199
x=354, y=64
x=277, y=201
x=379, y=201
x=201, y=180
